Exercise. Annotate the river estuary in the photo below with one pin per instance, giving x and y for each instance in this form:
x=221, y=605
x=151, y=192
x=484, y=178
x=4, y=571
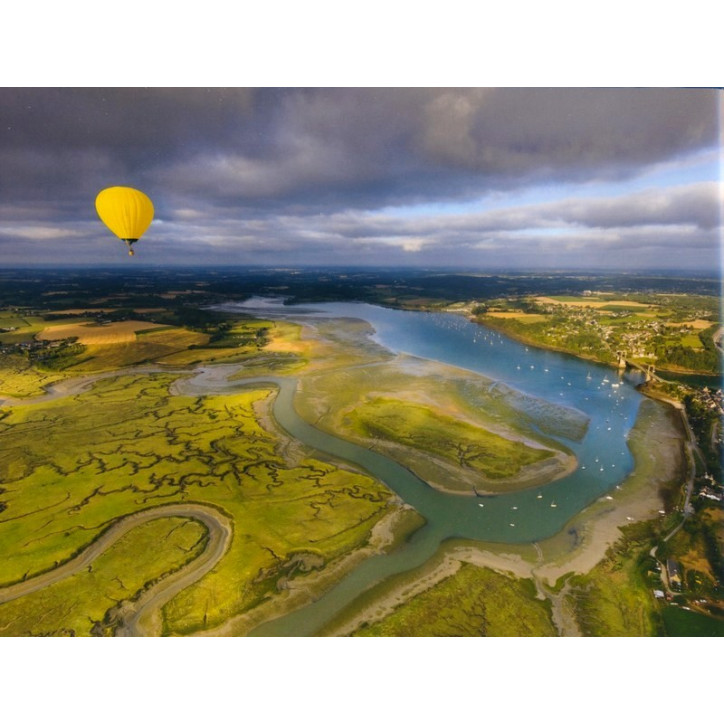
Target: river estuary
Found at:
x=608, y=400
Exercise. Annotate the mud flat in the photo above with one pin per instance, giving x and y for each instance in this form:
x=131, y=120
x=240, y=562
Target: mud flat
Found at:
x=75, y=385
x=487, y=413
x=657, y=443
x=326, y=392
x=140, y=617
x=218, y=453
x=390, y=531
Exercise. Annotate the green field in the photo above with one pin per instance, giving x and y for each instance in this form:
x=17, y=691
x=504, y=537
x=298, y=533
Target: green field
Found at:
x=615, y=598
x=458, y=442
x=152, y=346
x=21, y=378
x=72, y=466
x=80, y=604
x=620, y=307
x=24, y=373
x=472, y=602
x=25, y=328
x=453, y=428
x=693, y=341
x=679, y=622
x=579, y=299
x=599, y=327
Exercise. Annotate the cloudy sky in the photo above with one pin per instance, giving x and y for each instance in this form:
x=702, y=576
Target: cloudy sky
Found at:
x=471, y=178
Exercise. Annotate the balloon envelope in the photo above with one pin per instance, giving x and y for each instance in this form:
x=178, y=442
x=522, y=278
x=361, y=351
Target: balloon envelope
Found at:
x=125, y=211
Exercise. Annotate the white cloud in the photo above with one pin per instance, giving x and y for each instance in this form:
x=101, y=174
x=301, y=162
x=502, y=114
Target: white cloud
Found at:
x=39, y=233
x=413, y=245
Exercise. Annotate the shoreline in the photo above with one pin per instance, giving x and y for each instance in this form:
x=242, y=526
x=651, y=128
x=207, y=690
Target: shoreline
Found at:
x=139, y=615
x=436, y=471
x=389, y=532
x=596, y=528
x=552, y=348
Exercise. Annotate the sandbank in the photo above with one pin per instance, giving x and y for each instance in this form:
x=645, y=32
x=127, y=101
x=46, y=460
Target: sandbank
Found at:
x=389, y=532
x=657, y=443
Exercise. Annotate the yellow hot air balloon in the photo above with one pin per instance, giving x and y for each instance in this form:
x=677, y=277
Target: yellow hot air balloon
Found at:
x=126, y=212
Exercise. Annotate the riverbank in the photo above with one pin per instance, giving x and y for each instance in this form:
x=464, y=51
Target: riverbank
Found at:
x=75, y=385
x=347, y=402
x=488, y=323
x=389, y=532
x=208, y=447
x=657, y=444
x=450, y=518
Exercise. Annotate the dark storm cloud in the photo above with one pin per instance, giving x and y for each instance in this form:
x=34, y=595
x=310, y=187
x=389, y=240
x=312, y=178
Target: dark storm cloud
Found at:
x=538, y=130
x=313, y=172
x=368, y=147
x=125, y=122
x=375, y=148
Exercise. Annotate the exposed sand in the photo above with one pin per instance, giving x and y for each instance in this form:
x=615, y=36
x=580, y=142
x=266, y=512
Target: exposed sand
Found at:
x=446, y=390
x=447, y=477
x=441, y=567
x=658, y=442
x=597, y=528
x=300, y=593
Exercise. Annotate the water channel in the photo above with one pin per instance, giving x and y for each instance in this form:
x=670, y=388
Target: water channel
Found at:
x=609, y=401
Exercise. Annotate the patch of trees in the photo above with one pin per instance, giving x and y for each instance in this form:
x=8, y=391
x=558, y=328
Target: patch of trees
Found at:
x=706, y=360
x=57, y=358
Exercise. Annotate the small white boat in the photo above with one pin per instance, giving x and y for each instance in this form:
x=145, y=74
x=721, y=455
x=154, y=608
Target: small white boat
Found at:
x=553, y=505
x=481, y=505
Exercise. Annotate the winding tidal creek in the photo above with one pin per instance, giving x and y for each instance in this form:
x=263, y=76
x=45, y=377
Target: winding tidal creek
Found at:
x=608, y=400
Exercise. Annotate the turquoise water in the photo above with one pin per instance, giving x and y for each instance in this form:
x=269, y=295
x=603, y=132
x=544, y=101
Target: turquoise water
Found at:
x=610, y=402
